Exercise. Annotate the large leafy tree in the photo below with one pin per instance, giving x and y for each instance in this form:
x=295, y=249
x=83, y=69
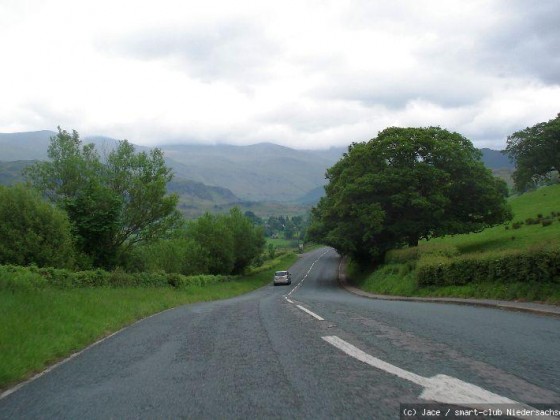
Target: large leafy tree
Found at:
x=536, y=152
x=112, y=204
x=405, y=185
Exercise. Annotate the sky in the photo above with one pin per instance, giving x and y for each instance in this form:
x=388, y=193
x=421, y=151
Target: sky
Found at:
x=306, y=74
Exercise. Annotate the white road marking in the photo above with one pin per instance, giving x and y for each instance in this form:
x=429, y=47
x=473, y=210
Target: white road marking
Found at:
x=310, y=313
x=440, y=388
x=306, y=274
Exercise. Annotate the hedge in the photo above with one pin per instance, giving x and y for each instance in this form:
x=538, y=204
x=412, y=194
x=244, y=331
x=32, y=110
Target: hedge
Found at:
x=25, y=278
x=534, y=265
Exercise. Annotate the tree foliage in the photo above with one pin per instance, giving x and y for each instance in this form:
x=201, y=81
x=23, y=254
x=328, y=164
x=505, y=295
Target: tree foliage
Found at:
x=113, y=204
x=230, y=243
x=32, y=231
x=248, y=240
x=405, y=185
x=536, y=152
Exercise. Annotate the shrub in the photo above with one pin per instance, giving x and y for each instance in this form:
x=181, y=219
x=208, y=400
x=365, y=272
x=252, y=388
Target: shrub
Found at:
x=32, y=231
x=181, y=256
x=533, y=265
x=14, y=278
x=546, y=222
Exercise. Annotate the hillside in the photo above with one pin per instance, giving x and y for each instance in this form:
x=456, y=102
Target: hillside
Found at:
x=262, y=172
x=450, y=263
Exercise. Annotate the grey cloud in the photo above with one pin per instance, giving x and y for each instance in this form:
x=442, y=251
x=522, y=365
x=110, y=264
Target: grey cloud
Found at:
x=445, y=88
x=526, y=43
x=224, y=50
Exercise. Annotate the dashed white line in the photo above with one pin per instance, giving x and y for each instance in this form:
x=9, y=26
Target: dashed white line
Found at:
x=306, y=274
x=440, y=388
x=299, y=285
x=314, y=315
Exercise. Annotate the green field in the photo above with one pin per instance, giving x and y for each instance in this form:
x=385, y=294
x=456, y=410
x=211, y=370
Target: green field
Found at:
x=41, y=326
x=398, y=275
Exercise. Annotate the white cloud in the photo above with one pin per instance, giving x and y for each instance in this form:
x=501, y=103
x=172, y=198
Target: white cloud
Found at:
x=309, y=73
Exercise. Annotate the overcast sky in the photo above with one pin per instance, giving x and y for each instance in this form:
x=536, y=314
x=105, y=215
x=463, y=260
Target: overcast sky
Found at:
x=304, y=74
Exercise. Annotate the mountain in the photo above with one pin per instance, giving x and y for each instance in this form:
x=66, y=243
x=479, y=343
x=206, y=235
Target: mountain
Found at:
x=12, y=172
x=495, y=159
x=215, y=177
x=25, y=146
x=261, y=172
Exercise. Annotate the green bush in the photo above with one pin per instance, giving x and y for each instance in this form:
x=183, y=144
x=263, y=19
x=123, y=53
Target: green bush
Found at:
x=540, y=265
x=14, y=278
x=181, y=256
x=32, y=231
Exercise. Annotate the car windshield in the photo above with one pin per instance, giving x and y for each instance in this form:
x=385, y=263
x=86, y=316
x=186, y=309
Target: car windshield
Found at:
x=281, y=273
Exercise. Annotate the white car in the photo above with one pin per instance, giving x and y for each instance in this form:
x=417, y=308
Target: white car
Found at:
x=282, y=277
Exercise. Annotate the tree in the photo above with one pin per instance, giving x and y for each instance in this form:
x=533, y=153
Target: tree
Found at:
x=147, y=212
x=112, y=205
x=248, y=240
x=536, y=153
x=32, y=231
x=405, y=185
x=213, y=234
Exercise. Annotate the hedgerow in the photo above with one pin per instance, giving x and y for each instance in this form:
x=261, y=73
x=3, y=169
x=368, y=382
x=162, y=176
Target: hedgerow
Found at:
x=540, y=265
x=24, y=278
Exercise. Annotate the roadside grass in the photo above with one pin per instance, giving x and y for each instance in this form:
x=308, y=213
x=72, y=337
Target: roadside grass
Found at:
x=41, y=326
x=398, y=275
x=281, y=243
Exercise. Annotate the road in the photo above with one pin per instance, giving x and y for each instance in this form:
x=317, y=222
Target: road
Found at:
x=309, y=350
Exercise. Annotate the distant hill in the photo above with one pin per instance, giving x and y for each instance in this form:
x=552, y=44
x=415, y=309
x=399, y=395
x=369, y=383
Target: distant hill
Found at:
x=261, y=172
x=24, y=146
x=218, y=175
x=495, y=159
x=11, y=172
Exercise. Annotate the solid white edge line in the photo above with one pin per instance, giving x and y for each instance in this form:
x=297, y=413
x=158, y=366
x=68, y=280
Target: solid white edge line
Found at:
x=310, y=313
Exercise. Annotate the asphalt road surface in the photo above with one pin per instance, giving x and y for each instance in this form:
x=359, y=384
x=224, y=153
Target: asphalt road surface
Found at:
x=309, y=350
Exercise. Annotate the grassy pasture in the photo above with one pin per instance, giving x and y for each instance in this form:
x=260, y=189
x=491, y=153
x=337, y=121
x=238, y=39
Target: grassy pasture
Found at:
x=398, y=275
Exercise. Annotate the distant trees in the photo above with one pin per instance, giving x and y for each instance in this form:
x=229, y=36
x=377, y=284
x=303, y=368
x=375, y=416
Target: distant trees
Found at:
x=113, y=204
x=405, y=185
x=230, y=243
x=536, y=152
x=32, y=231
x=289, y=227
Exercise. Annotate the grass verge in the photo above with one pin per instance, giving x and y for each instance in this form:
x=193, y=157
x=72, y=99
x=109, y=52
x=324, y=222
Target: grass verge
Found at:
x=536, y=224
x=41, y=326
x=390, y=280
